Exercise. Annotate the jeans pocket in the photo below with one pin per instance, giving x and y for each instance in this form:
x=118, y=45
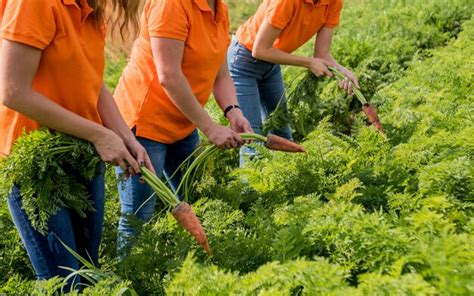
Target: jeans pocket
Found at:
x=242, y=54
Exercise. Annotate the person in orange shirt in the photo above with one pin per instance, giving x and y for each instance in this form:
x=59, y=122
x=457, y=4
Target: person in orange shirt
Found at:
x=178, y=59
x=51, y=74
x=268, y=39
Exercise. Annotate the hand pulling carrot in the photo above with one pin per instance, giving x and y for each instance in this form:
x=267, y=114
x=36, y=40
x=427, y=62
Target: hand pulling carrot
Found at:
x=182, y=211
x=368, y=108
x=196, y=162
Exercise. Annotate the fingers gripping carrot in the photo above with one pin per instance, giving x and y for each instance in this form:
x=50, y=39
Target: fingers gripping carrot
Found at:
x=368, y=108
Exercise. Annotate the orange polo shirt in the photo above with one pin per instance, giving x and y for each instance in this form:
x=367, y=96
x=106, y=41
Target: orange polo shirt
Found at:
x=298, y=20
x=71, y=68
x=3, y=4
x=139, y=95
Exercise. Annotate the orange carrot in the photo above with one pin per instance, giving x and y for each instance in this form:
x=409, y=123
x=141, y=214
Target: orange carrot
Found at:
x=281, y=144
x=371, y=114
x=368, y=109
x=184, y=214
x=181, y=211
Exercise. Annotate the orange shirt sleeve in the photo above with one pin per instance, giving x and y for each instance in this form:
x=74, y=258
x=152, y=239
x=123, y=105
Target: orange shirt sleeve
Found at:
x=3, y=3
x=29, y=22
x=227, y=24
x=280, y=12
x=168, y=19
x=334, y=15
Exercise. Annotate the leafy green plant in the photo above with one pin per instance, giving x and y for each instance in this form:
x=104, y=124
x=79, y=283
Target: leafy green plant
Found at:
x=407, y=284
x=93, y=275
x=51, y=170
x=379, y=47
x=293, y=277
x=389, y=216
x=358, y=214
x=13, y=257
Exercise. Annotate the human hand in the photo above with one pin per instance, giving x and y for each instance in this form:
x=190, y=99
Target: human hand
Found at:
x=223, y=137
x=140, y=154
x=113, y=150
x=349, y=80
x=238, y=123
x=319, y=67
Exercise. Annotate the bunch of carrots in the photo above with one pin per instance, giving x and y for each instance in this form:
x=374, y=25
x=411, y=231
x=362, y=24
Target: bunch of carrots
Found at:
x=181, y=210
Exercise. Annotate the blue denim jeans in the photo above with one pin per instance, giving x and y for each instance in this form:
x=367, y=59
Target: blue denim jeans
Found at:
x=136, y=199
x=47, y=254
x=259, y=87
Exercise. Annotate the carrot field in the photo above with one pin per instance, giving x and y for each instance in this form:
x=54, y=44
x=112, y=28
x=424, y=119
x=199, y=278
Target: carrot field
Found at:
x=360, y=213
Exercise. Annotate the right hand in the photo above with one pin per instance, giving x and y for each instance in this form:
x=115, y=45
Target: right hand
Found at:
x=140, y=154
x=112, y=149
x=319, y=67
x=224, y=137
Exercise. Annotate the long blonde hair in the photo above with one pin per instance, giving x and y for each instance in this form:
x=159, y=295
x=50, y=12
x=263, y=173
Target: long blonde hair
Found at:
x=118, y=14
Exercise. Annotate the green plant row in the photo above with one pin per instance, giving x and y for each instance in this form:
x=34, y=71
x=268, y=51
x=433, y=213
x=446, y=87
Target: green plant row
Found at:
x=356, y=215
x=377, y=40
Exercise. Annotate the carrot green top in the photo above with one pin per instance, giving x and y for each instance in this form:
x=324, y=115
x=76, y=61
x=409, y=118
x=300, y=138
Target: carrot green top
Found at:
x=299, y=20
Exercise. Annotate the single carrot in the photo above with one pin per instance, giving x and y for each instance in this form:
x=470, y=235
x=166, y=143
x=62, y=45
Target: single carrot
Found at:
x=181, y=211
x=184, y=214
x=368, y=108
x=281, y=144
x=372, y=115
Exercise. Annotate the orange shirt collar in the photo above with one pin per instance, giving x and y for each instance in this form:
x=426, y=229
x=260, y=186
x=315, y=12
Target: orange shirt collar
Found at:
x=85, y=5
x=204, y=6
x=320, y=2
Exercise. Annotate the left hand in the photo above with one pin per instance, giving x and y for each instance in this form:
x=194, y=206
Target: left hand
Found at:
x=238, y=122
x=140, y=154
x=346, y=82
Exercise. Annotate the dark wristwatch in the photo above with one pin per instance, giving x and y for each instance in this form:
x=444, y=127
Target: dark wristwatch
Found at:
x=227, y=110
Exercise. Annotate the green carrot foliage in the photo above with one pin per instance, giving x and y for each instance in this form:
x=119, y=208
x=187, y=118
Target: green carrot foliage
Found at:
x=52, y=170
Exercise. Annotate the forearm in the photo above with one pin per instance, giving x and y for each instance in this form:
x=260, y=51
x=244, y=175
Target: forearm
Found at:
x=328, y=58
x=322, y=47
x=111, y=116
x=277, y=56
x=224, y=92
x=264, y=50
x=46, y=112
x=178, y=89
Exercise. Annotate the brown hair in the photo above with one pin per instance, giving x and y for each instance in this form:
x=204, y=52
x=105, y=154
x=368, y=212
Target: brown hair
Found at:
x=118, y=14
